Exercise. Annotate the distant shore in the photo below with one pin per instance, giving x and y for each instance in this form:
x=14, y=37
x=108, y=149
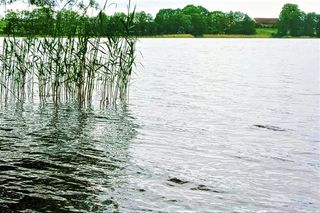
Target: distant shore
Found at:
x=260, y=33
x=205, y=36
x=267, y=33
x=225, y=36
x=239, y=36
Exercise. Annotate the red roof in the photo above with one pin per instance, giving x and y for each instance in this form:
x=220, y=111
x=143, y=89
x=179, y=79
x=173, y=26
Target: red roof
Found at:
x=266, y=21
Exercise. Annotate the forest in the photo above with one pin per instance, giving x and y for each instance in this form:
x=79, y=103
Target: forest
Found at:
x=194, y=20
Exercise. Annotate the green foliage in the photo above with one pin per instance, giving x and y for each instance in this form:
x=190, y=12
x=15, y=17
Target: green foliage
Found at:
x=67, y=22
x=2, y=26
x=239, y=23
x=289, y=14
x=318, y=26
x=143, y=24
x=116, y=24
x=195, y=20
x=310, y=24
x=266, y=32
x=198, y=19
x=294, y=22
x=168, y=21
x=13, y=23
x=197, y=16
x=216, y=22
x=247, y=26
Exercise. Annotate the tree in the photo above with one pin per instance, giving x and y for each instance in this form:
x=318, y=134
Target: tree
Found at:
x=239, y=23
x=67, y=22
x=247, y=26
x=310, y=24
x=216, y=22
x=191, y=9
x=40, y=19
x=318, y=26
x=185, y=23
x=13, y=23
x=195, y=20
x=198, y=16
x=291, y=20
x=199, y=25
x=168, y=21
x=116, y=24
x=143, y=24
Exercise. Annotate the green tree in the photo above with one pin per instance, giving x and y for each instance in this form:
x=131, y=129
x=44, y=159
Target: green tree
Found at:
x=247, y=26
x=185, y=23
x=13, y=23
x=198, y=16
x=168, y=21
x=239, y=23
x=67, y=22
x=38, y=21
x=101, y=24
x=291, y=20
x=310, y=24
x=318, y=26
x=143, y=24
x=192, y=9
x=216, y=22
x=116, y=24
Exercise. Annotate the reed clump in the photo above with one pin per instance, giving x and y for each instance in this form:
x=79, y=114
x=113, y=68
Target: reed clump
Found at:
x=79, y=66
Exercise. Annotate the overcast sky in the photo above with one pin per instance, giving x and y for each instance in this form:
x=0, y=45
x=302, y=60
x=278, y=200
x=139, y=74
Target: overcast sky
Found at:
x=254, y=8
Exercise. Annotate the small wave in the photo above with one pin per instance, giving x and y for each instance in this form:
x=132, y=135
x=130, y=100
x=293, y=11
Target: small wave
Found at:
x=177, y=180
x=269, y=127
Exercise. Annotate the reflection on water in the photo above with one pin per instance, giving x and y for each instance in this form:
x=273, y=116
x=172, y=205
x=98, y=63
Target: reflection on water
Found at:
x=62, y=158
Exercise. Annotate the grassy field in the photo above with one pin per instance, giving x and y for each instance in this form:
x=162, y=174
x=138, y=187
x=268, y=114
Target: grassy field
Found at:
x=261, y=33
x=267, y=32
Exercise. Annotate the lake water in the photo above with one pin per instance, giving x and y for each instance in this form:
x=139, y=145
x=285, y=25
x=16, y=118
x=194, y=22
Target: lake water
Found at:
x=213, y=125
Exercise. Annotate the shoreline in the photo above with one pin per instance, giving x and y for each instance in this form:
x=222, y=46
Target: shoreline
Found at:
x=224, y=36
x=261, y=33
x=189, y=36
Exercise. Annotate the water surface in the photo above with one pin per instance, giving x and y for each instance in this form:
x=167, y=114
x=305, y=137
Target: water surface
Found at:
x=213, y=125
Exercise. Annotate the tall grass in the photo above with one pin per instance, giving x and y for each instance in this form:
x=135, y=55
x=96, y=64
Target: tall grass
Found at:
x=77, y=67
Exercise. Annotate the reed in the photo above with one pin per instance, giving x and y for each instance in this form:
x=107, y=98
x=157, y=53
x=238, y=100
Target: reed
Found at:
x=79, y=66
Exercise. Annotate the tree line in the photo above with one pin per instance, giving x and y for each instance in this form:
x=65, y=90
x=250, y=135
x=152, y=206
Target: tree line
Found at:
x=195, y=20
x=295, y=22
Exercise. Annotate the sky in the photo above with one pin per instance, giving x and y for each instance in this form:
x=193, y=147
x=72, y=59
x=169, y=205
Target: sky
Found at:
x=254, y=8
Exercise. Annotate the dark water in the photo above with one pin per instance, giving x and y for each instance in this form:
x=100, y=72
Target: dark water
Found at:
x=213, y=125
x=62, y=159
